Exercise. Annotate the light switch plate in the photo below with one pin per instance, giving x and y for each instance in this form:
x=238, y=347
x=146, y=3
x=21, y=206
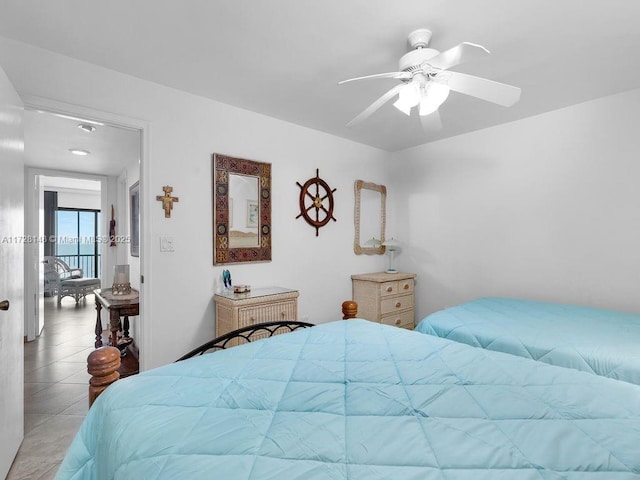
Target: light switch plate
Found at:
x=167, y=243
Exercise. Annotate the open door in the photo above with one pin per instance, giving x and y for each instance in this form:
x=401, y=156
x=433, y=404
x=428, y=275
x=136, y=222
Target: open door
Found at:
x=11, y=273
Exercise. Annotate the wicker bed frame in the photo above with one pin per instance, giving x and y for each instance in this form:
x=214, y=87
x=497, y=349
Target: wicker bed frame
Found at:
x=103, y=363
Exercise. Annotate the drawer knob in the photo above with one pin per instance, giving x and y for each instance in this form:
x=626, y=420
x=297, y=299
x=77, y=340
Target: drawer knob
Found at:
x=389, y=289
x=398, y=304
x=282, y=314
x=252, y=319
x=397, y=322
x=406, y=286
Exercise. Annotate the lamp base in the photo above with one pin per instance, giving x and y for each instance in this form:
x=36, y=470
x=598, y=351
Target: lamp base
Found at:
x=390, y=270
x=121, y=288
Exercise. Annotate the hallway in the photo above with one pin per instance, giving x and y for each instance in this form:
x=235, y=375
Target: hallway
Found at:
x=56, y=387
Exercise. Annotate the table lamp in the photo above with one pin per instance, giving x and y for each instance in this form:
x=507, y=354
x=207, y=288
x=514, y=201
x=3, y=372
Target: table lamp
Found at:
x=391, y=246
x=121, y=284
x=373, y=242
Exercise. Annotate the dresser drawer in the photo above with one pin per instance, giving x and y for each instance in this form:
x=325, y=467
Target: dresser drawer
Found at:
x=401, y=319
x=267, y=313
x=405, y=286
x=396, y=287
x=388, y=288
x=396, y=304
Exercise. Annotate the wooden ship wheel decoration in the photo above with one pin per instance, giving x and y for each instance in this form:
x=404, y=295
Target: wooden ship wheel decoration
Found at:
x=316, y=195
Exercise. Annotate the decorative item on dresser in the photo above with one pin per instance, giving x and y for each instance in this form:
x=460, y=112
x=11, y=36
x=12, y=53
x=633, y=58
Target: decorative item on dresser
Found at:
x=391, y=247
x=385, y=298
x=267, y=304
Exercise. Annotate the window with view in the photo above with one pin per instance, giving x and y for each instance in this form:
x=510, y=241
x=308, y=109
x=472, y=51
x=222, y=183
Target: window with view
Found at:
x=76, y=234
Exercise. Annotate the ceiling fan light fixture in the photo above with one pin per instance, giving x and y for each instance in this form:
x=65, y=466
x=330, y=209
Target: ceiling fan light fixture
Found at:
x=427, y=80
x=434, y=96
x=403, y=107
x=408, y=97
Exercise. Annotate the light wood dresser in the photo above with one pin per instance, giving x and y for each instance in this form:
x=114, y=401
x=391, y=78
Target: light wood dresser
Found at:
x=385, y=298
x=237, y=310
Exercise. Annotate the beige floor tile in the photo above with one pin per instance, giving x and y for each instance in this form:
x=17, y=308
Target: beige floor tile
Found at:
x=82, y=377
x=54, y=372
x=55, y=399
x=32, y=420
x=81, y=407
x=49, y=474
x=31, y=364
x=56, y=388
x=33, y=388
x=49, y=441
x=49, y=354
x=27, y=468
x=81, y=355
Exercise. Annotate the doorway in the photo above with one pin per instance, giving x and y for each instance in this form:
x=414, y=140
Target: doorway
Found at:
x=79, y=172
x=92, y=192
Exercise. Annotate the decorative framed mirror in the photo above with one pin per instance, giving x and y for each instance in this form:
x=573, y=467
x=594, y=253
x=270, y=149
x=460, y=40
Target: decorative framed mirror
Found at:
x=241, y=210
x=369, y=218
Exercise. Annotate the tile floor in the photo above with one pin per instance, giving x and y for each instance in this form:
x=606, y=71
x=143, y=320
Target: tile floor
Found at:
x=56, y=387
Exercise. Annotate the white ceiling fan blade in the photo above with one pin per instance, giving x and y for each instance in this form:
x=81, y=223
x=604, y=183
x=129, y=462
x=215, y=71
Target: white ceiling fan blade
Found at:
x=431, y=123
x=376, y=105
x=399, y=75
x=500, y=93
x=465, y=52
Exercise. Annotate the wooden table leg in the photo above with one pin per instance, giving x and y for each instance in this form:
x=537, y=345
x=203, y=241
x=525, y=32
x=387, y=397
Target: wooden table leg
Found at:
x=114, y=322
x=98, y=329
x=125, y=326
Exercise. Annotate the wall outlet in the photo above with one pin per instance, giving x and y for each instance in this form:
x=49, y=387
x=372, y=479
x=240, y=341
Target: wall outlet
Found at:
x=167, y=243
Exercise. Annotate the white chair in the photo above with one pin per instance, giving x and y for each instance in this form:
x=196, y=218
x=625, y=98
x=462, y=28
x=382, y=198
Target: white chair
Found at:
x=63, y=281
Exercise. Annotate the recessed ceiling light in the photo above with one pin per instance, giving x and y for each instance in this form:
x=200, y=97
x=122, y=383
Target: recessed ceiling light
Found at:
x=78, y=151
x=86, y=127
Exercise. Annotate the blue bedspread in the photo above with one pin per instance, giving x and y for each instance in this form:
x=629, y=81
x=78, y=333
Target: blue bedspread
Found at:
x=360, y=401
x=599, y=341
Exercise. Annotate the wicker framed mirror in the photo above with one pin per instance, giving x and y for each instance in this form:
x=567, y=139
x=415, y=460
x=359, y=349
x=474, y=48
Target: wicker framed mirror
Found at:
x=241, y=210
x=369, y=218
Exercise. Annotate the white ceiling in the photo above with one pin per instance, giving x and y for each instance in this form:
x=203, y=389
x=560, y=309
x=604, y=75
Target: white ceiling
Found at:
x=49, y=137
x=283, y=58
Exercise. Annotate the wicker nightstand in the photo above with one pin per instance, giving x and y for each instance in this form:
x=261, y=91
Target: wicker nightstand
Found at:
x=237, y=310
x=385, y=298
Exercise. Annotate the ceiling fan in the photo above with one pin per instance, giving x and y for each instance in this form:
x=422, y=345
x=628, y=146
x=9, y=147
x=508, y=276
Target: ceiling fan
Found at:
x=427, y=81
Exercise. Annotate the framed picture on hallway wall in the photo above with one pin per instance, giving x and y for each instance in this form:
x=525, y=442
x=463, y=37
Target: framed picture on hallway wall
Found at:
x=134, y=216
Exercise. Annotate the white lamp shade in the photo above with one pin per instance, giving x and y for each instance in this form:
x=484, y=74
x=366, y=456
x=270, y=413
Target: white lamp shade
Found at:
x=391, y=243
x=434, y=96
x=373, y=242
x=408, y=98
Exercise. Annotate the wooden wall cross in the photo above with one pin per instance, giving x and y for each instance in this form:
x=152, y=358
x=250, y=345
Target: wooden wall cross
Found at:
x=167, y=200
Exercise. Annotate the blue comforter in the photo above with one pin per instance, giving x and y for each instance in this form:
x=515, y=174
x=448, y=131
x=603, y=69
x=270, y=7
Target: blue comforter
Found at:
x=599, y=341
x=361, y=401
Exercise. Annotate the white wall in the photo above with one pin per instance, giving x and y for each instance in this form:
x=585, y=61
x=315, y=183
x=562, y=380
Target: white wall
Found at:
x=77, y=199
x=129, y=176
x=545, y=208
x=185, y=131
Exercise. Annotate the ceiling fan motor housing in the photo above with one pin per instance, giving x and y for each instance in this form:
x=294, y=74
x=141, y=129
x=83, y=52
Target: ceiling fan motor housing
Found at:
x=415, y=58
x=418, y=41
